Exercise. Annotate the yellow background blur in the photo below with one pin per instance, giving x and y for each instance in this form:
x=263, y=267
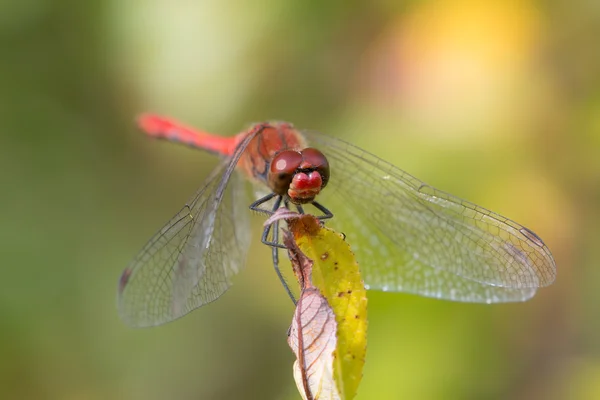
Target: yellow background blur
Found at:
x=497, y=102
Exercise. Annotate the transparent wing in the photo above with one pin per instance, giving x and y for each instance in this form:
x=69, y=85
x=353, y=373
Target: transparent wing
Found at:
x=191, y=260
x=410, y=237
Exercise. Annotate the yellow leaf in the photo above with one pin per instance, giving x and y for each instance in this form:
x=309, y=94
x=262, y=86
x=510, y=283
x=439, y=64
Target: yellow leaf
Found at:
x=335, y=273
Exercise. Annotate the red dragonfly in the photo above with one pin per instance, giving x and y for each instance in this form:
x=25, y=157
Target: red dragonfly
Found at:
x=407, y=236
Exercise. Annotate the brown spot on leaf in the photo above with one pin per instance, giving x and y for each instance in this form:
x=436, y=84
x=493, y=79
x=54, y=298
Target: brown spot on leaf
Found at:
x=304, y=225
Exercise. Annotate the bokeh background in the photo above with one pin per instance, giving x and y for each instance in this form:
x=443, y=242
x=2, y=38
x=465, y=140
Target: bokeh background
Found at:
x=497, y=102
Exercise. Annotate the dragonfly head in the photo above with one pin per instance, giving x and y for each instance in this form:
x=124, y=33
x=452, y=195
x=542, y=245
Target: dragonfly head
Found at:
x=301, y=175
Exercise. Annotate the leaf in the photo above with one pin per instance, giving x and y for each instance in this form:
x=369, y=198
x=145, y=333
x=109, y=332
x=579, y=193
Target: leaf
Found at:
x=313, y=339
x=322, y=259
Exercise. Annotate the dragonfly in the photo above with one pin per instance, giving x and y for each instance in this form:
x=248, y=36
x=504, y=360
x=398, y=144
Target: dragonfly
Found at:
x=407, y=236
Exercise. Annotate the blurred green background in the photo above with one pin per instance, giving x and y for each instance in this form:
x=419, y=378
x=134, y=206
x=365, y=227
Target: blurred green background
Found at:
x=497, y=102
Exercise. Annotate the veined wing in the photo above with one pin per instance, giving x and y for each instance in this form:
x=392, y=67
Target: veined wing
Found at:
x=191, y=260
x=410, y=237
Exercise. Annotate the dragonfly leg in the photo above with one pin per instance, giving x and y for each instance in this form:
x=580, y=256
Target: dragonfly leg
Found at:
x=256, y=205
x=265, y=235
x=275, y=253
x=326, y=213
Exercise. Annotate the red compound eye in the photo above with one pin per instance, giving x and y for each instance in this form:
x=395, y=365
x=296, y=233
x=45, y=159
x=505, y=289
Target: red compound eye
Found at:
x=282, y=170
x=315, y=160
